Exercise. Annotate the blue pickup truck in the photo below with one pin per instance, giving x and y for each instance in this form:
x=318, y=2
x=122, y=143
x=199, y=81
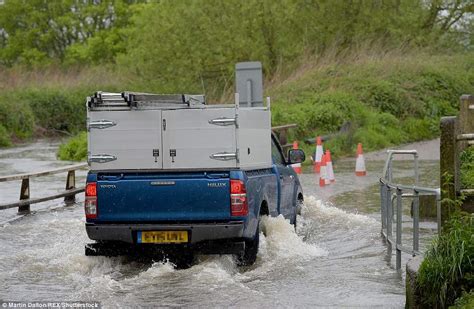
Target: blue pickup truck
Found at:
x=186, y=212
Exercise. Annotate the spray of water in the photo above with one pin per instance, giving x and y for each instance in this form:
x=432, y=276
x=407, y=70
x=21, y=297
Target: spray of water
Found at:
x=315, y=210
x=281, y=241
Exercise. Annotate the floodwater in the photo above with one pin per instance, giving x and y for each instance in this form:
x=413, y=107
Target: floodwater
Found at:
x=336, y=258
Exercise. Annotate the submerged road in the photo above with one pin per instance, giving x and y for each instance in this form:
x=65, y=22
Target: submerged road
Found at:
x=335, y=258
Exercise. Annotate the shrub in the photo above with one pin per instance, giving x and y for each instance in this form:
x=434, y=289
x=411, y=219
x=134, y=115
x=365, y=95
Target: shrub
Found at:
x=387, y=99
x=58, y=109
x=420, y=129
x=447, y=270
x=466, y=301
x=16, y=117
x=467, y=168
x=4, y=137
x=75, y=149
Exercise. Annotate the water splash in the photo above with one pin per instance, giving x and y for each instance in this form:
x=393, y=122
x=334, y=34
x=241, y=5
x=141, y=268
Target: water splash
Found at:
x=279, y=240
x=314, y=209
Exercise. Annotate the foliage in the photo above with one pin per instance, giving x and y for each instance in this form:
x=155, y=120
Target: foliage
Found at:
x=57, y=110
x=447, y=270
x=177, y=52
x=38, y=33
x=384, y=70
x=376, y=100
x=16, y=117
x=4, y=137
x=467, y=167
x=199, y=40
x=75, y=149
x=466, y=301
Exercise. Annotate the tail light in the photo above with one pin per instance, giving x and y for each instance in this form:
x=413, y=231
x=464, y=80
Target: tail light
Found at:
x=90, y=204
x=238, y=198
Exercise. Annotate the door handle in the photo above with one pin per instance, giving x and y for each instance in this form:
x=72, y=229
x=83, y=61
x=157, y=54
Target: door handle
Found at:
x=223, y=121
x=101, y=158
x=100, y=124
x=224, y=156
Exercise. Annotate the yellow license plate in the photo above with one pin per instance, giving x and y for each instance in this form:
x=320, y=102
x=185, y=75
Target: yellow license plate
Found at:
x=162, y=237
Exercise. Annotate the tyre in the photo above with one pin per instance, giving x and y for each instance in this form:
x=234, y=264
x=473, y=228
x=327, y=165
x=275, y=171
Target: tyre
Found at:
x=294, y=216
x=299, y=205
x=183, y=260
x=249, y=256
x=110, y=249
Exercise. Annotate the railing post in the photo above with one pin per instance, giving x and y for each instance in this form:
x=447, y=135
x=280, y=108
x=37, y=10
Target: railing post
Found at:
x=447, y=164
x=416, y=222
x=417, y=173
x=388, y=203
x=438, y=211
x=383, y=210
x=24, y=195
x=70, y=184
x=282, y=137
x=399, y=230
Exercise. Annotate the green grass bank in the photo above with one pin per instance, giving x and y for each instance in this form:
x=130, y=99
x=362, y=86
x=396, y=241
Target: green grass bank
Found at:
x=49, y=102
x=381, y=99
x=446, y=275
x=384, y=99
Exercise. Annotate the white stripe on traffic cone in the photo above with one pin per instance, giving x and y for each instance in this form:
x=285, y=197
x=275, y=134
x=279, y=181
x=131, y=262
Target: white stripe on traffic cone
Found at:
x=360, y=162
x=329, y=168
x=318, y=156
x=323, y=172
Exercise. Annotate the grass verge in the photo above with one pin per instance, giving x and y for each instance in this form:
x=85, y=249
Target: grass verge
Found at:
x=467, y=167
x=378, y=100
x=448, y=270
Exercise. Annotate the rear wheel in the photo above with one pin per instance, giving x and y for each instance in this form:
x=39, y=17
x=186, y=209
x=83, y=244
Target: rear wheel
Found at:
x=183, y=260
x=297, y=211
x=299, y=204
x=249, y=256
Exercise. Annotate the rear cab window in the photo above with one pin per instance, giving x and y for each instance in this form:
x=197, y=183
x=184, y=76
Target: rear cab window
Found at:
x=277, y=156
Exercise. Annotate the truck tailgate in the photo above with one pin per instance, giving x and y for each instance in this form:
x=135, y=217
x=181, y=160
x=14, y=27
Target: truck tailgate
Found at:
x=163, y=197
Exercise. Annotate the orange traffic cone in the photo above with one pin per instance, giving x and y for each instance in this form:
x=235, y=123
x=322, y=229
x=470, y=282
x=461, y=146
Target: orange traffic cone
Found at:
x=323, y=172
x=329, y=168
x=360, y=162
x=296, y=166
x=318, y=155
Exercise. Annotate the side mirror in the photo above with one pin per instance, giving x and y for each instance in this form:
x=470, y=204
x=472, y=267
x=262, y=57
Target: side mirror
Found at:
x=296, y=156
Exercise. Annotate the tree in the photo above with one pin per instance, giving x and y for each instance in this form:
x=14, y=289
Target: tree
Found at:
x=40, y=31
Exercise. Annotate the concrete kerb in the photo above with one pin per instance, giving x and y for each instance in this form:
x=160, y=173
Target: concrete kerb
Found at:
x=412, y=292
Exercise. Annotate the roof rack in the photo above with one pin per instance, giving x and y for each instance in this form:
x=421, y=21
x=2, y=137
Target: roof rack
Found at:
x=102, y=100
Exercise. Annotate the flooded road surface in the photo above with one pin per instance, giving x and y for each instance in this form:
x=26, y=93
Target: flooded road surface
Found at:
x=335, y=259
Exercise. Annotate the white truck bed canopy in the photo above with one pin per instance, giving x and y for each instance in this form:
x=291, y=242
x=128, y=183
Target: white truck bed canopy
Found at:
x=143, y=131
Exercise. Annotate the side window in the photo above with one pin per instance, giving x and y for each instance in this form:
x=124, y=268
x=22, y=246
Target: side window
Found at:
x=276, y=154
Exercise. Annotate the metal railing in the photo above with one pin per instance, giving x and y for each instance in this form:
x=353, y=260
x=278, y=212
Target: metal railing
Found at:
x=25, y=201
x=391, y=192
x=282, y=133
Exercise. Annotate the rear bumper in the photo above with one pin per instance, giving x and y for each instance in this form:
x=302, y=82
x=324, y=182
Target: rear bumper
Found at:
x=199, y=232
